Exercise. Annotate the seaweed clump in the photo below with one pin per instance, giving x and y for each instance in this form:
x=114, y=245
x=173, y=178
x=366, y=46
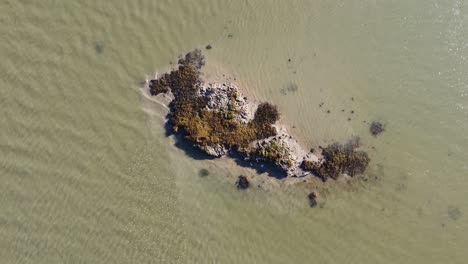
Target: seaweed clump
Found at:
x=242, y=182
x=338, y=159
x=376, y=128
x=203, y=172
x=212, y=130
x=312, y=199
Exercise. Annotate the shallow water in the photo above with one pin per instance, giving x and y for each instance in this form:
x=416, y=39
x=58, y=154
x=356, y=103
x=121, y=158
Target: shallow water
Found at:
x=89, y=176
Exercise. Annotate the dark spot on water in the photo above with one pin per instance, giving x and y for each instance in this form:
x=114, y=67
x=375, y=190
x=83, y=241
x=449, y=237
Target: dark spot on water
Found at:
x=230, y=35
x=208, y=47
x=352, y=112
x=294, y=72
x=293, y=126
x=328, y=111
x=242, y=182
x=99, y=47
x=292, y=87
x=203, y=172
x=342, y=110
x=443, y=225
x=352, y=99
x=400, y=187
x=312, y=199
x=419, y=211
x=289, y=60
x=454, y=213
x=349, y=118
x=289, y=88
x=376, y=128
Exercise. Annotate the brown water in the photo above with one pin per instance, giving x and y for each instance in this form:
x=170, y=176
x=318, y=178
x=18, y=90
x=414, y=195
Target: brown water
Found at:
x=88, y=175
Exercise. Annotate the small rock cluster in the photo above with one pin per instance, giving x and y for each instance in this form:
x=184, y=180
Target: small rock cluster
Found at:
x=217, y=150
x=284, y=151
x=225, y=97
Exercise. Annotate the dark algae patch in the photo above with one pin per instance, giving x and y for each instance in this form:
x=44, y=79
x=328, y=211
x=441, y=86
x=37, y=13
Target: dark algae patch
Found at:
x=203, y=172
x=376, y=128
x=242, y=182
x=312, y=197
x=217, y=120
x=454, y=213
x=99, y=47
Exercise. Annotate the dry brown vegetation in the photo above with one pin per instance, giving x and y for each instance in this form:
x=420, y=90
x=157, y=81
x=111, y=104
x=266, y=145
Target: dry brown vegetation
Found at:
x=270, y=151
x=339, y=159
x=209, y=127
x=213, y=127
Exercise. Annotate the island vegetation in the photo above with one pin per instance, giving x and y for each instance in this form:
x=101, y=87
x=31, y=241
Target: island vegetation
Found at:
x=216, y=119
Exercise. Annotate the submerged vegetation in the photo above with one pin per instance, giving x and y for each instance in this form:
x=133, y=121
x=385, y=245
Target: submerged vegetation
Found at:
x=242, y=182
x=312, y=199
x=376, y=128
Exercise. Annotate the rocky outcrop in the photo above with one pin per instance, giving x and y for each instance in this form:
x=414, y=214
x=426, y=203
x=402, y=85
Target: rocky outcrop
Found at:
x=217, y=150
x=217, y=119
x=226, y=97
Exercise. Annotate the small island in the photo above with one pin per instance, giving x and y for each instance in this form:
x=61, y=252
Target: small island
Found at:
x=216, y=119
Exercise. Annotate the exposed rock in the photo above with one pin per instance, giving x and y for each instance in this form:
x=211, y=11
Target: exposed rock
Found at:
x=215, y=151
x=217, y=119
x=225, y=97
x=284, y=151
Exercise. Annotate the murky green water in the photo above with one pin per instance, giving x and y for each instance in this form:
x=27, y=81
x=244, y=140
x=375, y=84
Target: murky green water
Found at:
x=88, y=176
